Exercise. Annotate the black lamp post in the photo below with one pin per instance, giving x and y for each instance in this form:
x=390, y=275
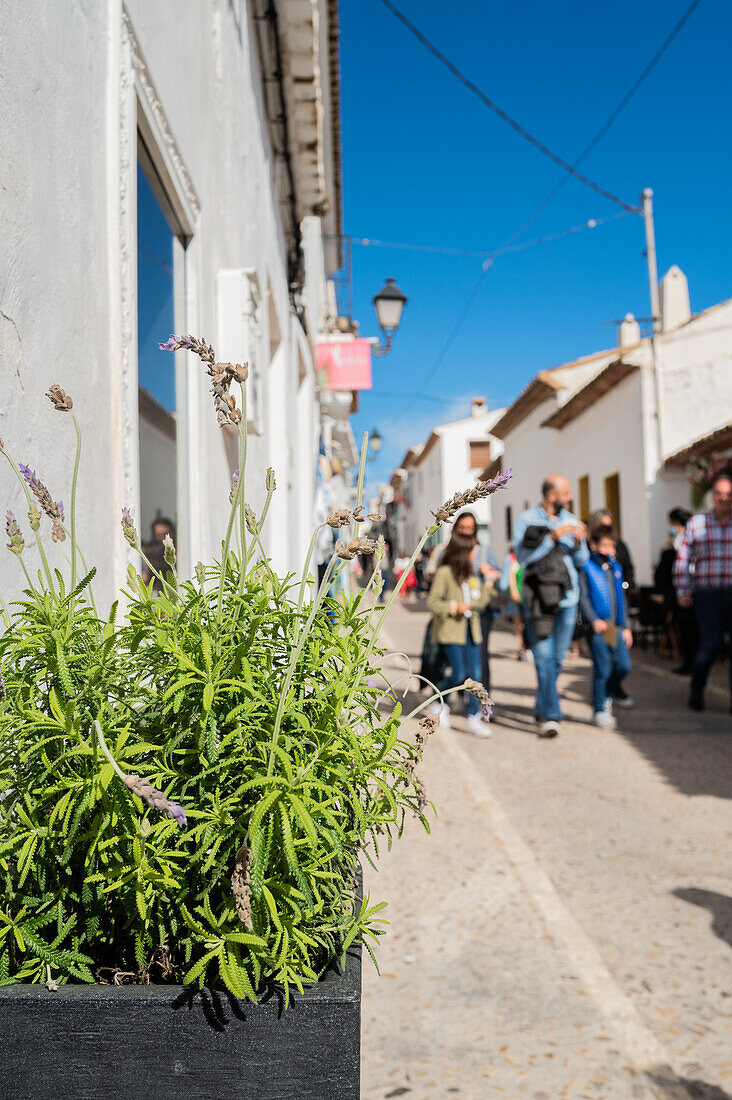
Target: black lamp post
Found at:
x=388, y=303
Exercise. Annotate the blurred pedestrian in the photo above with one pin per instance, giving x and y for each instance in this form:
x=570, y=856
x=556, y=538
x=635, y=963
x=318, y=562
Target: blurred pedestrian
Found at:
x=456, y=598
x=402, y=565
x=682, y=619
x=550, y=545
x=703, y=578
x=603, y=518
x=510, y=582
x=604, y=608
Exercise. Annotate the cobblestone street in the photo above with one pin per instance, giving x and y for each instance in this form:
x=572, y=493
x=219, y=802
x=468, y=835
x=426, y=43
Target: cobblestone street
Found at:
x=566, y=930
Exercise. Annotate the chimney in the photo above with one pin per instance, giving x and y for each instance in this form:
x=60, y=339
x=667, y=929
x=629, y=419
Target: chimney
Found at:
x=628, y=331
x=477, y=406
x=675, y=308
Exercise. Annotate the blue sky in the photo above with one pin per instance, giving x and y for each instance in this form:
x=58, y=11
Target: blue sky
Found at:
x=425, y=162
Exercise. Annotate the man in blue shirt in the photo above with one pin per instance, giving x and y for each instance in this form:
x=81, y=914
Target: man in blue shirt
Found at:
x=536, y=534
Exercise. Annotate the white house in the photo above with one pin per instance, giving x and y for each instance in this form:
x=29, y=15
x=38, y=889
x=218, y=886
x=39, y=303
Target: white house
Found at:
x=450, y=460
x=610, y=421
x=181, y=173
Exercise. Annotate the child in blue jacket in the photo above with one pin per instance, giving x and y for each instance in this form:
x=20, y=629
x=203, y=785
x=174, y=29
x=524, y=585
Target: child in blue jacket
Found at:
x=604, y=609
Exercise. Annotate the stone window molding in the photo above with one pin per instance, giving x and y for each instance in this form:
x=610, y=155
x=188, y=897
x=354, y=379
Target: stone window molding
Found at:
x=138, y=114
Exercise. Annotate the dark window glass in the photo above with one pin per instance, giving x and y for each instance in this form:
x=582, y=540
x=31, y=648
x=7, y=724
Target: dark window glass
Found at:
x=156, y=369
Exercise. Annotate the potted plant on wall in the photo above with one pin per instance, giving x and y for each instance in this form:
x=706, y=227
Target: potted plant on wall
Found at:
x=187, y=791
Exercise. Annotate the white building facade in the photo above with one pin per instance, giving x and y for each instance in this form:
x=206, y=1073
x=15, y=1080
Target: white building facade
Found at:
x=610, y=421
x=201, y=140
x=449, y=461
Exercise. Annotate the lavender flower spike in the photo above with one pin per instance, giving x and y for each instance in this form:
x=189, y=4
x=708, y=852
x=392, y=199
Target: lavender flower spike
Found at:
x=175, y=343
x=155, y=799
x=15, y=534
x=128, y=527
x=168, y=551
x=234, y=483
x=41, y=493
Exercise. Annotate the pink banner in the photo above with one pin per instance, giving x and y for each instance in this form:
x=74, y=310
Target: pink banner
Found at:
x=347, y=364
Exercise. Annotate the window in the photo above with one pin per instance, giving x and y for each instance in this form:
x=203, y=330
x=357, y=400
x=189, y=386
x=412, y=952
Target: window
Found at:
x=583, y=498
x=509, y=523
x=612, y=498
x=480, y=453
x=157, y=237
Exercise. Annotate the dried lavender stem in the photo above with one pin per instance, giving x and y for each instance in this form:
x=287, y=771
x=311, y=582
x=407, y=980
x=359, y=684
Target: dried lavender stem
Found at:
x=97, y=727
x=261, y=520
x=257, y=536
x=237, y=506
x=154, y=571
x=432, y=699
x=324, y=586
x=375, y=633
x=27, y=574
x=361, y=476
x=242, y=474
x=74, y=480
x=305, y=571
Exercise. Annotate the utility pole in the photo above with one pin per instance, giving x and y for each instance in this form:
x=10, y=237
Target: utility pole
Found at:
x=647, y=200
x=647, y=207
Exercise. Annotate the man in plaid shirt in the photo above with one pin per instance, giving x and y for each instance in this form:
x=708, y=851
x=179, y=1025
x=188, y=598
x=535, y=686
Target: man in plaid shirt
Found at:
x=703, y=579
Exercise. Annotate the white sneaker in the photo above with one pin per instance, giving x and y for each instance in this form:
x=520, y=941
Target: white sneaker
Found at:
x=626, y=702
x=608, y=709
x=441, y=711
x=550, y=728
x=478, y=727
x=604, y=720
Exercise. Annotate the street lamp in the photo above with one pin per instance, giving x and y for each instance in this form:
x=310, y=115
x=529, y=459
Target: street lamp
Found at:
x=374, y=444
x=388, y=303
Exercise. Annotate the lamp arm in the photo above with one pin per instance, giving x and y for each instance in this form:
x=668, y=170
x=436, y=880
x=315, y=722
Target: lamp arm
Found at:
x=383, y=347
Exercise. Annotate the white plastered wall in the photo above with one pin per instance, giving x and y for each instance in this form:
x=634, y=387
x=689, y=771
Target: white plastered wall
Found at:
x=67, y=257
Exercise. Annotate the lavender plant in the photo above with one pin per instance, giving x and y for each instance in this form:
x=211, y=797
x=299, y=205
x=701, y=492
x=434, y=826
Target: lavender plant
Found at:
x=188, y=794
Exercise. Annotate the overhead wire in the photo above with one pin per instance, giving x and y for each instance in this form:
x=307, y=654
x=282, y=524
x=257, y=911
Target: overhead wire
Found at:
x=606, y=125
x=509, y=119
x=483, y=253
x=614, y=114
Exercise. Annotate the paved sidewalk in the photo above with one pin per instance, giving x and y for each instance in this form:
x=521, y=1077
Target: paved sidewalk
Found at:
x=565, y=931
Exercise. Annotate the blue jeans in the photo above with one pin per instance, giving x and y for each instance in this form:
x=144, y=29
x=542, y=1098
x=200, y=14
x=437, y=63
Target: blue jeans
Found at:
x=610, y=666
x=549, y=654
x=713, y=611
x=464, y=661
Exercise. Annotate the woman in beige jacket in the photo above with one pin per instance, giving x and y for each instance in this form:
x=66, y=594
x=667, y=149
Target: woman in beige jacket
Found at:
x=456, y=598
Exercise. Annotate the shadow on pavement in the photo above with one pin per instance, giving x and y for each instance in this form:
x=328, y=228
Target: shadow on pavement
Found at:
x=674, y=1087
x=690, y=750
x=719, y=906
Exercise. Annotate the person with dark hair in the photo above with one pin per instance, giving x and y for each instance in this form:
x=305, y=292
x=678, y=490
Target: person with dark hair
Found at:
x=162, y=526
x=604, y=610
x=550, y=545
x=703, y=579
x=456, y=598
x=622, y=554
x=681, y=618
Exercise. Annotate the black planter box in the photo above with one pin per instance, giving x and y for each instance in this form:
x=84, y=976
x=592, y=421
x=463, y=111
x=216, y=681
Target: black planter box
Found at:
x=165, y=1042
